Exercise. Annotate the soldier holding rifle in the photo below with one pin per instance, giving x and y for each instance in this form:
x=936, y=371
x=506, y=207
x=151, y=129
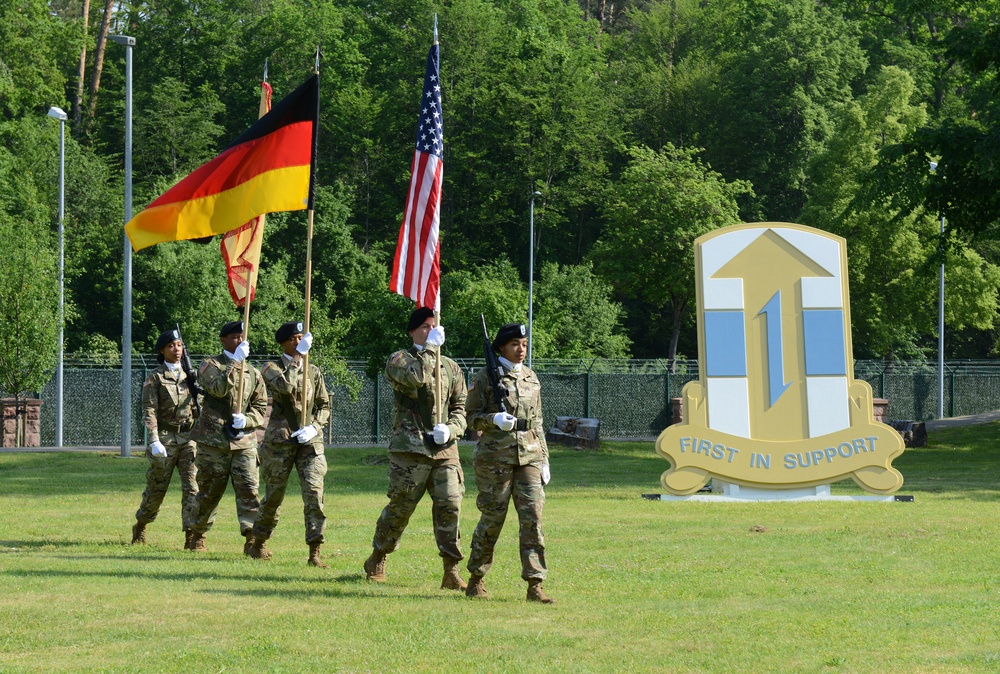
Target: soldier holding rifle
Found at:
x=423, y=451
x=293, y=440
x=235, y=405
x=511, y=459
x=170, y=408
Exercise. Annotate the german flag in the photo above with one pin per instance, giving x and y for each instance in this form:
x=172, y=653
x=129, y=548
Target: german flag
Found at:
x=271, y=167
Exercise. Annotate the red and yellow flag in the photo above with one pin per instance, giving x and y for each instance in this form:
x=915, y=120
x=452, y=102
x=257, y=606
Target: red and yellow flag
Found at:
x=241, y=247
x=270, y=167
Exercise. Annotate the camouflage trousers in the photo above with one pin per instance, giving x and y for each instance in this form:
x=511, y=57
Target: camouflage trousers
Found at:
x=215, y=469
x=180, y=455
x=276, y=463
x=410, y=475
x=497, y=482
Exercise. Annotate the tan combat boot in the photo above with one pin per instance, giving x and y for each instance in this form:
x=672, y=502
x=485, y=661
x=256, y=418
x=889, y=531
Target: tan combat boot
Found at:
x=476, y=588
x=197, y=543
x=451, y=580
x=138, y=533
x=375, y=567
x=248, y=543
x=314, y=558
x=188, y=536
x=536, y=593
x=258, y=548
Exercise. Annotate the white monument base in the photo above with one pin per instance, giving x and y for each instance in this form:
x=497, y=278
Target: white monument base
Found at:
x=727, y=492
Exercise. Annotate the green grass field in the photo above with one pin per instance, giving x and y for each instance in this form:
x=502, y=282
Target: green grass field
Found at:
x=641, y=585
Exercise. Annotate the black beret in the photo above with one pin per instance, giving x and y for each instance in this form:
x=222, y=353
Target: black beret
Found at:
x=287, y=330
x=418, y=317
x=166, y=337
x=509, y=332
x=230, y=328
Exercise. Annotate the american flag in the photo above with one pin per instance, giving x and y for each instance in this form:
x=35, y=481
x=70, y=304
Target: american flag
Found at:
x=416, y=269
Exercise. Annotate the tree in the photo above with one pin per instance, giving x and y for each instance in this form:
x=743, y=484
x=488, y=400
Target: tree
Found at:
x=576, y=315
x=29, y=302
x=893, y=256
x=493, y=290
x=662, y=202
x=753, y=82
x=32, y=46
x=176, y=130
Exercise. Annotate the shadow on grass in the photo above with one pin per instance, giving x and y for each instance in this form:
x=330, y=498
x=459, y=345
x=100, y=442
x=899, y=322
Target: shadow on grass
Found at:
x=186, y=576
x=253, y=585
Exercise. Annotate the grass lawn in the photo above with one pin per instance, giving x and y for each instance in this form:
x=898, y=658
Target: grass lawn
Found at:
x=641, y=585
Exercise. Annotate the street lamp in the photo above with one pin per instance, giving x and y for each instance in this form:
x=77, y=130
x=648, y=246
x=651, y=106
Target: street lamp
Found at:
x=126, y=448
x=934, y=166
x=58, y=113
x=531, y=271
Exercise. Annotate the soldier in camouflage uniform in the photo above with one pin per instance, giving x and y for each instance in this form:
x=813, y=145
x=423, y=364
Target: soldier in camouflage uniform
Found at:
x=423, y=455
x=288, y=444
x=511, y=460
x=227, y=443
x=168, y=410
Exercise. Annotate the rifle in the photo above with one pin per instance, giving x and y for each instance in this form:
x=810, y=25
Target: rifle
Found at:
x=494, y=370
x=192, y=382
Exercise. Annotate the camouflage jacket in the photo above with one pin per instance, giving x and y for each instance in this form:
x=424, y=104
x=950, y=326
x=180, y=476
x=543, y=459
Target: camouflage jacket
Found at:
x=524, y=401
x=167, y=405
x=283, y=379
x=411, y=375
x=219, y=376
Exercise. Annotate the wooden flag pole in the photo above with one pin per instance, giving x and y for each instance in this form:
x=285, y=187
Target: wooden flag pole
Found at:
x=306, y=415
x=262, y=110
x=439, y=403
x=238, y=402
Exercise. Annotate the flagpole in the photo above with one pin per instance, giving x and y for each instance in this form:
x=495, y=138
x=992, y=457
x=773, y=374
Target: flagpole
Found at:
x=261, y=111
x=306, y=416
x=439, y=407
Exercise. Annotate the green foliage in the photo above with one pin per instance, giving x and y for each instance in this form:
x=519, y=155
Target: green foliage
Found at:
x=493, y=290
x=894, y=257
x=33, y=50
x=29, y=303
x=576, y=315
x=663, y=201
x=753, y=82
x=538, y=95
x=175, y=129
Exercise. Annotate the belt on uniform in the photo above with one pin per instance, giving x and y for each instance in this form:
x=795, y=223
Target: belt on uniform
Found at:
x=523, y=425
x=178, y=428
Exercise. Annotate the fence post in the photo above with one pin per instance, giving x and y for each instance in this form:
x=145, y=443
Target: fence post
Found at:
x=951, y=401
x=586, y=397
x=378, y=410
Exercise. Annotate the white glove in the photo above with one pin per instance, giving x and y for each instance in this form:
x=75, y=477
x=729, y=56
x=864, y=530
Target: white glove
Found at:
x=305, y=434
x=241, y=352
x=239, y=420
x=157, y=449
x=504, y=421
x=305, y=343
x=441, y=434
x=546, y=474
x=436, y=336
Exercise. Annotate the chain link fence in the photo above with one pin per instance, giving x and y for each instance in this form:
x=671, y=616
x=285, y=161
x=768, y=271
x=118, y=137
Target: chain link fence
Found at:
x=630, y=397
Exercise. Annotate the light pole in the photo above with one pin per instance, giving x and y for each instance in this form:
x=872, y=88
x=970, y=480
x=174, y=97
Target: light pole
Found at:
x=126, y=448
x=531, y=271
x=58, y=113
x=934, y=166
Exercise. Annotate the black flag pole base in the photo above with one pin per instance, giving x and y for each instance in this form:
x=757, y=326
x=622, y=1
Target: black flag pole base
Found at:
x=233, y=433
